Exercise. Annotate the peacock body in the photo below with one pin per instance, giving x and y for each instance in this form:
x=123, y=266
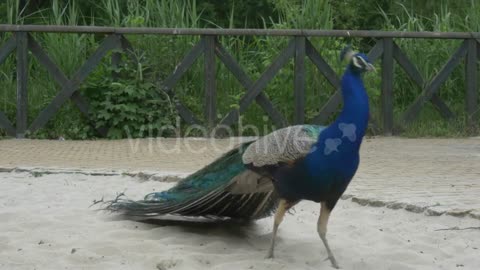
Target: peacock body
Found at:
x=251, y=181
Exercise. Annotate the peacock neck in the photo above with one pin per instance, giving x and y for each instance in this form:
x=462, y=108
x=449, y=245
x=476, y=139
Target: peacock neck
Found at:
x=350, y=126
x=356, y=109
x=337, y=148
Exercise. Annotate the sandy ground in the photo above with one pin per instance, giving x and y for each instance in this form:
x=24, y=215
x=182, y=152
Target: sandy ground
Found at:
x=435, y=176
x=46, y=224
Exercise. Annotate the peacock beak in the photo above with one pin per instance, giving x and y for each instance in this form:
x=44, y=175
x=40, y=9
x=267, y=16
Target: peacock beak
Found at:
x=370, y=67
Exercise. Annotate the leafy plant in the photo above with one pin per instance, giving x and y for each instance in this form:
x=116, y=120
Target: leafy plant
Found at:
x=127, y=103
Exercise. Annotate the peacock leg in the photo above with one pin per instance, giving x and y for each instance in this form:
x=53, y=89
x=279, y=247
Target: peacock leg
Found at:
x=281, y=210
x=322, y=231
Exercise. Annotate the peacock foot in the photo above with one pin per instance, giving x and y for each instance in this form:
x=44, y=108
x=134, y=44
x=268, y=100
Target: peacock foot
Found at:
x=269, y=255
x=333, y=261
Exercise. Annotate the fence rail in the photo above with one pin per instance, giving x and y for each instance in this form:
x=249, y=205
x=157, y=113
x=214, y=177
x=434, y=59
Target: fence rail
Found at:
x=299, y=48
x=236, y=32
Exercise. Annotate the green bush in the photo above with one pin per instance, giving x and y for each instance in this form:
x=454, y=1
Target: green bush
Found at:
x=128, y=103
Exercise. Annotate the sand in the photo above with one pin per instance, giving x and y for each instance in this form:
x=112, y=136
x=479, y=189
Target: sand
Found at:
x=46, y=223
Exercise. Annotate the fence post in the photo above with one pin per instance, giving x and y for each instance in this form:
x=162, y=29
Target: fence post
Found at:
x=387, y=86
x=116, y=62
x=22, y=77
x=299, y=80
x=210, y=86
x=471, y=84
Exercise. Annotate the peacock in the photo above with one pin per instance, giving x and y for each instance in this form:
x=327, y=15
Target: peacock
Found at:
x=275, y=172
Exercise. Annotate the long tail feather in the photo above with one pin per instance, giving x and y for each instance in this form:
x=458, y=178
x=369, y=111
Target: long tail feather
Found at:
x=204, y=193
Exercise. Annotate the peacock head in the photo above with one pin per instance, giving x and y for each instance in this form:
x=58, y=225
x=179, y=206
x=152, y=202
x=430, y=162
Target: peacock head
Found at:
x=357, y=62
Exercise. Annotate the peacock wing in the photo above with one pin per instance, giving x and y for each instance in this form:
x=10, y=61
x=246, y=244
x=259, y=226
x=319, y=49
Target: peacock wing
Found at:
x=279, y=147
x=282, y=146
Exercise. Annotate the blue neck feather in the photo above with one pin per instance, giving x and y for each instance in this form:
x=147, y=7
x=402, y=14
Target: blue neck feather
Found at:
x=338, y=145
x=355, y=105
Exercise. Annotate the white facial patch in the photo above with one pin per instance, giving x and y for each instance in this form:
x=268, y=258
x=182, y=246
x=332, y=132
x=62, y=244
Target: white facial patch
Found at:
x=356, y=62
x=349, y=131
x=331, y=145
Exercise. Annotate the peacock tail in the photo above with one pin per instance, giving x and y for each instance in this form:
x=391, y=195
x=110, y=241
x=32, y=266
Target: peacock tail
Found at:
x=210, y=192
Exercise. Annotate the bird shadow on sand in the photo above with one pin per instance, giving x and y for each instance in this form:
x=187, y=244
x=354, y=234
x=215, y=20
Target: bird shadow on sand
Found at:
x=231, y=228
x=223, y=227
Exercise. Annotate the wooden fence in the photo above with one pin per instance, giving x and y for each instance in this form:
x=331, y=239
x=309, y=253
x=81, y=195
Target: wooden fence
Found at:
x=299, y=48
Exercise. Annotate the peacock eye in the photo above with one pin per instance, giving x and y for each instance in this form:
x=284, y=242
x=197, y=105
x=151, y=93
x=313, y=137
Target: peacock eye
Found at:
x=359, y=62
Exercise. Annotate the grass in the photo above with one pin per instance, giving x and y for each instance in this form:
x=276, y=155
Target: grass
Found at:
x=159, y=56
x=430, y=124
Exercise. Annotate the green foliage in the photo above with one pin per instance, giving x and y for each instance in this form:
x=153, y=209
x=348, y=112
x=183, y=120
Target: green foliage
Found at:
x=428, y=55
x=68, y=124
x=430, y=124
x=242, y=14
x=131, y=98
x=361, y=15
x=128, y=104
x=305, y=14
